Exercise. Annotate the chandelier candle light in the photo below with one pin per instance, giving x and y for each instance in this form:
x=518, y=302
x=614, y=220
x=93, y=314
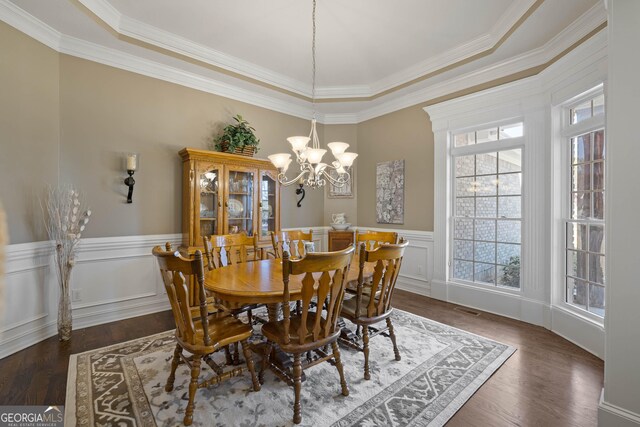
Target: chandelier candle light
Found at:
x=313, y=172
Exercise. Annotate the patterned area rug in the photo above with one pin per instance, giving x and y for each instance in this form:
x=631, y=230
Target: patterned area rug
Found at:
x=441, y=367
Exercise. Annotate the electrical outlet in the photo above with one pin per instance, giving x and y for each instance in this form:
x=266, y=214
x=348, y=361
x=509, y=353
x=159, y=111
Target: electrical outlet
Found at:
x=420, y=270
x=75, y=294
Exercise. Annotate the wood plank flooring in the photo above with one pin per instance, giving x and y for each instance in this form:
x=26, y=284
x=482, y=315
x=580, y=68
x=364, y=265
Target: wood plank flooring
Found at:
x=547, y=382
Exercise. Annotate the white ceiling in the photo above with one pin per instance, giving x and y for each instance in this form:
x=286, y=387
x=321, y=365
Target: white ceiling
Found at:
x=364, y=47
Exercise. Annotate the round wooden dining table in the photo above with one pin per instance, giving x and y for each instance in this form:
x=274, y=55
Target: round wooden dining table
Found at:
x=260, y=282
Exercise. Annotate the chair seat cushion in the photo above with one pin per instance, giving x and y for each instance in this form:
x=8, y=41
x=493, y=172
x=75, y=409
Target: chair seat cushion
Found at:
x=274, y=331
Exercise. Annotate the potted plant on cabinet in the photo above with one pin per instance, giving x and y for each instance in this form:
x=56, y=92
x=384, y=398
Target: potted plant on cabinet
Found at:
x=237, y=138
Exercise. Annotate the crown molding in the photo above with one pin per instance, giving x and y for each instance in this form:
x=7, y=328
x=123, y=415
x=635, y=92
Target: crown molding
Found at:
x=338, y=118
x=28, y=24
x=477, y=46
x=540, y=56
x=115, y=58
x=127, y=26
x=407, y=97
x=130, y=27
x=584, y=64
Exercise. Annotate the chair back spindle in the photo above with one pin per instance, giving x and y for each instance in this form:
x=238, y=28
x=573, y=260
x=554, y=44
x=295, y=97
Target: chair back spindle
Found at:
x=227, y=249
x=291, y=241
x=373, y=239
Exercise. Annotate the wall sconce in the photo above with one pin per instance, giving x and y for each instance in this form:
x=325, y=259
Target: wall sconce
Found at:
x=132, y=164
x=300, y=191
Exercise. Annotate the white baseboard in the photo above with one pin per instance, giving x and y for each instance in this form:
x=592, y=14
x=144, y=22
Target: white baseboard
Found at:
x=583, y=333
x=569, y=326
x=419, y=287
x=610, y=415
x=507, y=304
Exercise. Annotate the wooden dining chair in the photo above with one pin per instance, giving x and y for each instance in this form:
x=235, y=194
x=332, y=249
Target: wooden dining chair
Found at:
x=228, y=249
x=324, y=277
x=194, y=296
x=292, y=241
x=202, y=336
x=373, y=239
x=373, y=305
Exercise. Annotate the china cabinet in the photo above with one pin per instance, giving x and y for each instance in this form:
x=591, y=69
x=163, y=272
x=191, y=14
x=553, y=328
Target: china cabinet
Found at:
x=226, y=193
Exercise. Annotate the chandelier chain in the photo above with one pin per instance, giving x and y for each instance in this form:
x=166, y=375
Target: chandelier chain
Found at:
x=313, y=172
x=313, y=60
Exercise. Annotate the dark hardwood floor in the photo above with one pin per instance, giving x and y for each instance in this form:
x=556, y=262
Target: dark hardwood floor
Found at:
x=547, y=382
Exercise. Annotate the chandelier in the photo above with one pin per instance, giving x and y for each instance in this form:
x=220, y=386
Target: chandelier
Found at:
x=313, y=172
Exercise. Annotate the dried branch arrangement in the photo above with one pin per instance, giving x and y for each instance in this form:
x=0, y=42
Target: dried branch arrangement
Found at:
x=66, y=218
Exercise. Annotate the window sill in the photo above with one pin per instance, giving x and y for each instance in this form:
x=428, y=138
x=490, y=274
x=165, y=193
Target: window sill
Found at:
x=580, y=314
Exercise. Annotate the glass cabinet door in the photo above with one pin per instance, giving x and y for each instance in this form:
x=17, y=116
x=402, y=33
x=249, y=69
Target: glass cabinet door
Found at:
x=268, y=203
x=240, y=201
x=210, y=202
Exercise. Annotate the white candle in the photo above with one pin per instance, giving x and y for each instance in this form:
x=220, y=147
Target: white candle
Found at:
x=132, y=161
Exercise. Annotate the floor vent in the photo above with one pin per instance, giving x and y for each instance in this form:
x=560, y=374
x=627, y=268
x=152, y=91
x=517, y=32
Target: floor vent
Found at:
x=467, y=311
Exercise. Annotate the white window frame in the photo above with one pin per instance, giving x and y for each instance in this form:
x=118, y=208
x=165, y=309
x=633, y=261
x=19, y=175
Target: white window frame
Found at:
x=565, y=133
x=483, y=148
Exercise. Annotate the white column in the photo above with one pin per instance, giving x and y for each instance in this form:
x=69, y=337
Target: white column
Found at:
x=441, y=215
x=620, y=405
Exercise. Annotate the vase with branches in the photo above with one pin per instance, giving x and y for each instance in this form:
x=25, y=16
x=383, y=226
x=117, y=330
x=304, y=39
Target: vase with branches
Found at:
x=66, y=218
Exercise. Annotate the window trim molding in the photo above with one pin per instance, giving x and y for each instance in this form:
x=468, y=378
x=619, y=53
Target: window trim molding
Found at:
x=563, y=131
x=535, y=99
x=483, y=148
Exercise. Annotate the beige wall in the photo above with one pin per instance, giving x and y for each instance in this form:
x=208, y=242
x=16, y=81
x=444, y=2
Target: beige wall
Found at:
x=402, y=135
x=29, y=130
x=348, y=134
x=107, y=112
x=70, y=119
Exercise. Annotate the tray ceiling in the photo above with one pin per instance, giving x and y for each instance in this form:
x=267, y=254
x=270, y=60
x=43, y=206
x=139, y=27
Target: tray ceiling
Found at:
x=366, y=49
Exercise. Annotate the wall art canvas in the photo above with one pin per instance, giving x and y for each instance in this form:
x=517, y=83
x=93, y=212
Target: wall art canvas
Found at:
x=390, y=192
x=344, y=192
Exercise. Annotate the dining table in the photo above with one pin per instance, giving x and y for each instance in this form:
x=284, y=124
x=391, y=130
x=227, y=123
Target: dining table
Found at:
x=261, y=282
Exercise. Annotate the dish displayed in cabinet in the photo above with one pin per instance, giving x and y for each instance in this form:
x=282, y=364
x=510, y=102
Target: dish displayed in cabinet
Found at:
x=235, y=208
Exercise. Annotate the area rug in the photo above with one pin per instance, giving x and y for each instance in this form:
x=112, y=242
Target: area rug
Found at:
x=441, y=367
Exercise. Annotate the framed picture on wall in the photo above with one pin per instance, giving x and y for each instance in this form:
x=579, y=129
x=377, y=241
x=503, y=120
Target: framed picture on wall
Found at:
x=344, y=192
x=390, y=192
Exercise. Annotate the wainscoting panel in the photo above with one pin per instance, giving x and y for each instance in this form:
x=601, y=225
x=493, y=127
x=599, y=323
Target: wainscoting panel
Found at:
x=30, y=300
x=114, y=278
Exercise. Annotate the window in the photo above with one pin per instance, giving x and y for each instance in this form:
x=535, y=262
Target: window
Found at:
x=587, y=109
x=487, y=207
x=496, y=133
x=584, y=224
